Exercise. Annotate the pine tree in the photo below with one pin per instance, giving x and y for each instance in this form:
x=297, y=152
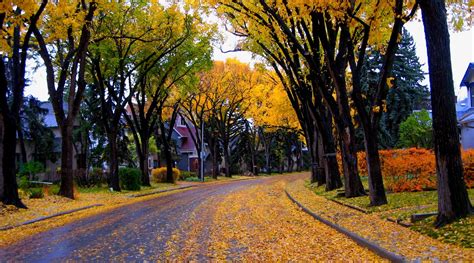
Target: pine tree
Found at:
x=406, y=94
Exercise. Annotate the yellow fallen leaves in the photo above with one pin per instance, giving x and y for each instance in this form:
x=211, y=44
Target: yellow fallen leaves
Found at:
x=260, y=224
x=391, y=236
x=53, y=204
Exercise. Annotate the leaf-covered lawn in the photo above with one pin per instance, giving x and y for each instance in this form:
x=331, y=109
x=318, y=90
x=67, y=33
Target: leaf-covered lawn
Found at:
x=402, y=205
x=396, y=238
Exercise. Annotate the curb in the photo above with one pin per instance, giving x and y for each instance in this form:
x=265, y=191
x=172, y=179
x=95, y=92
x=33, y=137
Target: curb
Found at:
x=350, y=206
x=48, y=217
x=358, y=239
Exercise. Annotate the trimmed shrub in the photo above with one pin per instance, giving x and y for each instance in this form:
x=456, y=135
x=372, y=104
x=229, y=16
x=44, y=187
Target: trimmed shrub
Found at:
x=36, y=192
x=413, y=169
x=185, y=174
x=95, y=177
x=130, y=178
x=159, y=174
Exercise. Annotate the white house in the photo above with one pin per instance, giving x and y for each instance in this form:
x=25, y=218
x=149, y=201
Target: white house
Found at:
x=466, y=110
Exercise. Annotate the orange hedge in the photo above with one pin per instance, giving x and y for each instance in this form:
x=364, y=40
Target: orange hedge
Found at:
x=413, y=169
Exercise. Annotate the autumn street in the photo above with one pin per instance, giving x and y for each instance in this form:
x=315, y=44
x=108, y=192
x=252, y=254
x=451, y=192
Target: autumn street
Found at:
x=250, y=220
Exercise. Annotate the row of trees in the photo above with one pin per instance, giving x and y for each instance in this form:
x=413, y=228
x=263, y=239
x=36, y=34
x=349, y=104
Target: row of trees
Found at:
x=320, y=51
x=116, y=69
x=118, y=53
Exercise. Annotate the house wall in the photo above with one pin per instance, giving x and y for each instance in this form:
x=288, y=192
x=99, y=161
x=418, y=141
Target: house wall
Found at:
x=467, y=136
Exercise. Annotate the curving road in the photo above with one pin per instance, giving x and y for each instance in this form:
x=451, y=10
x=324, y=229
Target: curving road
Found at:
x=150, y=230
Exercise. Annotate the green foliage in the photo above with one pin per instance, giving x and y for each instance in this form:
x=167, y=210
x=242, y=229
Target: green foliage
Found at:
x=406, y=94
x=185, y=175
x=31, y=168
x=417, y=131
x=36, y=193
x=23, y=182
x=130, y=178
x=93, y=178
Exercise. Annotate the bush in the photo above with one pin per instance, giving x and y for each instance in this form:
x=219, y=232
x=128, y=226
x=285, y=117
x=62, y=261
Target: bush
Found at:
x=416, y=131
x=159, y=174
x=95, y=177
x=130, y=178
x=36, y=192
x=413, y=169
x=185, y=174
x=31, y=168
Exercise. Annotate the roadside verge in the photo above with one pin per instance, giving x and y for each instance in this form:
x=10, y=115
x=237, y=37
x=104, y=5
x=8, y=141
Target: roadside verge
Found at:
x=403, y=243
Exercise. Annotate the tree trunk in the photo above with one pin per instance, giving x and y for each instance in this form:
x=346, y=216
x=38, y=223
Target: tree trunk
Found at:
x=11, y=196
x=21, y=140
x=227, y=160
x=143, y=159
x=453, y=200
x=114, y=180
x=2, y=190
x=67, y=180
x=320, y=159
x=169, y=162
x=333, y=178
x=267, y=159
x=352, y=184
x=376, y=187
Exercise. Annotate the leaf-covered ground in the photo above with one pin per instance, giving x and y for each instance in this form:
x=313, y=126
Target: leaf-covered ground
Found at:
x=391, y=236
x=402, y=205
x=260, y=224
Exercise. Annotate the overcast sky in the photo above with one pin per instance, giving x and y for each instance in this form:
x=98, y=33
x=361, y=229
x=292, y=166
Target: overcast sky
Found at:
x=462, y=53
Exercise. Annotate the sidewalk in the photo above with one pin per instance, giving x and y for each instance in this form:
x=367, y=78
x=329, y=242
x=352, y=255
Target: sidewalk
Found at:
x=390, y=236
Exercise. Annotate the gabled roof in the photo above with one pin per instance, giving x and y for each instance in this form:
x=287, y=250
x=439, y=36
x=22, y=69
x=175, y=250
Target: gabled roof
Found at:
x=468, y=76
x=468, y=116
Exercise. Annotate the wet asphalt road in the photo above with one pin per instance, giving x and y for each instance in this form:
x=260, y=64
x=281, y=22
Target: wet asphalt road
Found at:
x=136, y=232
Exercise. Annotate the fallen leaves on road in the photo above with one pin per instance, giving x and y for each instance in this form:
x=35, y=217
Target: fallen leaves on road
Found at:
x=53, y=204
x=391, y=236
x=262, y=224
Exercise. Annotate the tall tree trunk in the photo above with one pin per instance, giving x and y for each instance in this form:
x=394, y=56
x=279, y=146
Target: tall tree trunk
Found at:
x=143, y=159
x=453, y=200
x=21, y=140
x=352, y=184
x=11, y=196
x=169, y=162
x=377, y=190
x=321, y=161
x=333, y=177
x=227, y=159
x=114, y=181
x=67, y=181
x=267, y=159
x=2, y=189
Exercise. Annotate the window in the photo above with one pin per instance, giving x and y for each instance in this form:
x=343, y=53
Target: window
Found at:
x=182, y=122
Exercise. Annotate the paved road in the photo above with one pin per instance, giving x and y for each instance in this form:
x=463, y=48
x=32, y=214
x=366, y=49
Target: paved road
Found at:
x=150, y=230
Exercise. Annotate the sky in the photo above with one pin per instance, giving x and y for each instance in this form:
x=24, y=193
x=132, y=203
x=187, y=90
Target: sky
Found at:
x=462, y=53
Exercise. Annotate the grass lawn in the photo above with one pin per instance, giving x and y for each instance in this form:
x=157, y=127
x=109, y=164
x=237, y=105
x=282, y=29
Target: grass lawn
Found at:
x=402, y=205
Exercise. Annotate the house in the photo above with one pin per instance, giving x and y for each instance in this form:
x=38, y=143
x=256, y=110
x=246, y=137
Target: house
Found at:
x=50, y=165
x=186, y=150
x=465, y=110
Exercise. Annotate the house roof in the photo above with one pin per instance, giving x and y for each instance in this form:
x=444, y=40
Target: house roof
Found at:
x=468, y=116
x=50, y=118
x=468, y=76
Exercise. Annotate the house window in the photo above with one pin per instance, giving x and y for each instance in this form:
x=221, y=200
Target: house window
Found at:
x=182, y=121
